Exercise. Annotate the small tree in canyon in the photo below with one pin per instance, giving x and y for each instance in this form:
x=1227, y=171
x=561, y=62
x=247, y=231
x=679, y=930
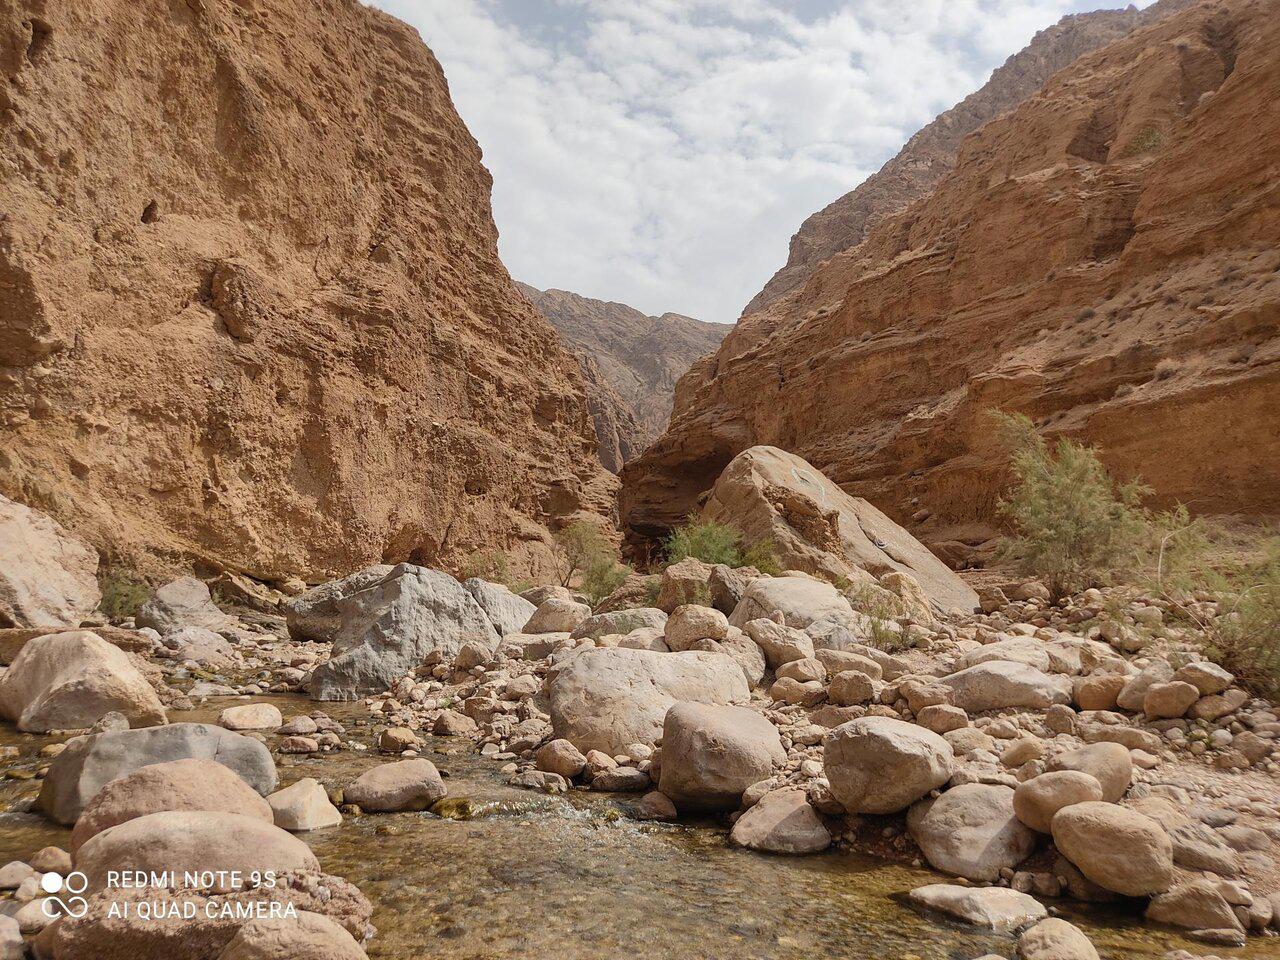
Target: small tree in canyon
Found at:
x=588, y=555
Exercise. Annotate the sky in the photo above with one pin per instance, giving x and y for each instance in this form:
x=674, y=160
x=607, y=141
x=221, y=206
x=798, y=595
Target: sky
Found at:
x=661, y=153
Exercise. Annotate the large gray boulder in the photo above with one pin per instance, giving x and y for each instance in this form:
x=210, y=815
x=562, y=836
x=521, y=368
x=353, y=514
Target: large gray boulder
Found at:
x=880, y=765
x=816, y=527
x=620, y=622
x=799, y=600
x=315, y=615
x=69, y=681
x=89, y=763
x=507, y=611
x=184, y=602
x=390, y=628
x=999, y=684
x=606, y=699
x=711, y=753
x=971, y=831
x=48, y=577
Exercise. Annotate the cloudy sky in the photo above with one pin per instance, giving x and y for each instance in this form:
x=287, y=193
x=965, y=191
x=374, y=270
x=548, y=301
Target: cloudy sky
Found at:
x=662, y=152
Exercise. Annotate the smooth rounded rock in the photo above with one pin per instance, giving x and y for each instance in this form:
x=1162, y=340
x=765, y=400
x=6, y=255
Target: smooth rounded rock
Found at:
x=1035, y=801
x=712, y=753
x=971, y=831
x=880, y=765
x=394, y=787
x=1118, y=849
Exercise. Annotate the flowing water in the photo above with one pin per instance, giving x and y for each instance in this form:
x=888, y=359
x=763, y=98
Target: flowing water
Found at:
x=575, y=878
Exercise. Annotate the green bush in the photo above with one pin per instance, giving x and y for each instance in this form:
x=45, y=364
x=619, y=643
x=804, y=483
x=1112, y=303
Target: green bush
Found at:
x=714, y=543
x=586, y=553
x=1246, y=638
x=1076, y=527
x=488, y=565
x=122, y=594
x=881, y=606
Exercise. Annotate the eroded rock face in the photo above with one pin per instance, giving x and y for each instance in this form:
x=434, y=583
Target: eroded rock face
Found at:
x=1071, y=265
x=48, y=576
x=261, y=341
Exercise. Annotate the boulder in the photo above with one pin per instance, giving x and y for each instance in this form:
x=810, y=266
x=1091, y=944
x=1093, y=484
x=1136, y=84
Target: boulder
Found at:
x=780, y=644
x=316, y=615
x=560, y=757
x=557, y=615
x=89, y=763
x=1208, y=677
x=996, y=908
x=690, y=622
x=711, y=753
x=1035, y=801
x=1025, y=650
x=252, y=716
x=746, y=653
x=308, y=936
x=619, y=622
x=1195, y=903
x=999, y=684
x=1135, y=691
x=852, y=687
x=782, y=821
x=508, y=612
x=971, y=831
x=205, y=647
x=840, y=661
x=1098, y=691
x=184, y=602
x=193, y=840
x=69, y=681
x=394, y=787
x=816, y=527
x=1118, y=849
x=728, y=584
x=48, y=577
x=1108, y=763
x=686, y=581
x=880, y=765
x=176, y=785
x=391, y=627
x=1164, y=701
x=606, y=699
x=1055, y=939
x=799, y=600
x=303, y=806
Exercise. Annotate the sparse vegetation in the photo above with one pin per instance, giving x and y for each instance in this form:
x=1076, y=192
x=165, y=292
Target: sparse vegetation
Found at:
x=1245, y=637
x=488, y=565
x=714, y=543
x=587, y=554
x=122, y=594
x=881, y=607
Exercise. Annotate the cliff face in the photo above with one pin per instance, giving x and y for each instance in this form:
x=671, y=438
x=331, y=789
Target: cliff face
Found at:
x=1103, y=258
x=251, y=308
x=930, y=155
x=634, y=361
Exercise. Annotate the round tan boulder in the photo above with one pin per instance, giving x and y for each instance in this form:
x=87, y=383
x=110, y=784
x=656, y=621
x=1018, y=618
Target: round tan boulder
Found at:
x=1035, y=801
x=803, y=671
x=394, y=787
x=1164, y=701
x=1099, y=691
x=970, y=831
x=193, y=840
x=1117, y=848
x=308, y=936
x=712, y=753
x=303, y=806
x=1108, y=763
x=998, y=684
x=557, y=616
x=252, y=716
x=690, y=622
x=851, y=687
x=178, y=785
x=1055, y=939
x=781, y=822
x=562, y=757
x=881, y=765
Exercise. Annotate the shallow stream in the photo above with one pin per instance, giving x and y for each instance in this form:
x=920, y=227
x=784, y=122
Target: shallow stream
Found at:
x=575, y=878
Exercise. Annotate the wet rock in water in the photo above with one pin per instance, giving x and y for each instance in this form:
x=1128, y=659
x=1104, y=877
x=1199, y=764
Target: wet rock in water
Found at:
x=561, y=757
x=781, y=644
x=557, y=615
x=89, y=763
x=621, y=780
x=252, y=716
x=1108, y=763
x=782, y=821
x=303, y=806
x=1055, y=939
x=395, y=787
x=200, y=645
x=48, y=576
x=316, y=615
x=655, y=805
x=712, y=753
x=13, y=873
x=507, y=611
x=175, y=785
x=299, y=726
x=391, y=627
x=192, y=840
x=397, y=740
x=542, y=780
x=1118, y=849
x=880, y=765
x=971, y=831
x=1035, y=801
x=69, y=681
x=298, y=745
x=309, y=936
x=606, y=699
x=995, y=908
x=999, y=684
x=1195, y=904
x=51, y=859
x=799, y=600
x=184, y=602
x=690, y=622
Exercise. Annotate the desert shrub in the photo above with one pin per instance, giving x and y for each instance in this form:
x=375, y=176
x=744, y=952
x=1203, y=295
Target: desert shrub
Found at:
x=488, y=565
x=1246, y=637
x=586, y=553
x=714, y=543
x=881, y=606
x=1075, y=526
x=122, y=594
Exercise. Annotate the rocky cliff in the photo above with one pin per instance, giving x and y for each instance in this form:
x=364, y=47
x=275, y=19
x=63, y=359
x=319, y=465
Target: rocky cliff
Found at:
x=251, y=308
x=631, y=362
x=1104, y=258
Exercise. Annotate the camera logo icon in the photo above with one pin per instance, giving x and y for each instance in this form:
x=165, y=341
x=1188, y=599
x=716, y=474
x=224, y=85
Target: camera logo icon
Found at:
x=74, y=906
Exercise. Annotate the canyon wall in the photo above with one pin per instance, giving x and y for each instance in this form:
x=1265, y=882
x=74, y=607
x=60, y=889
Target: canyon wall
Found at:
x=251, y=309
x=1105, y=258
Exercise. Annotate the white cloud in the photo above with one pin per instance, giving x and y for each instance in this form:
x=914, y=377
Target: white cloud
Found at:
x=661, y=153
